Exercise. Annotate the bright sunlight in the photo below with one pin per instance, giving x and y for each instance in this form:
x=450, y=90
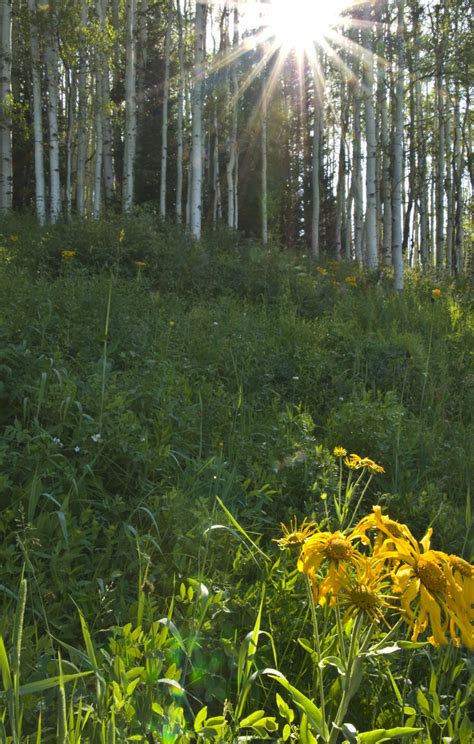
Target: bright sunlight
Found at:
x=298, y=24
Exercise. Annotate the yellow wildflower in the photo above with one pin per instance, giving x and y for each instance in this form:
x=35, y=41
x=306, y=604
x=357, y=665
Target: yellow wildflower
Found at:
x=140, y=264
x=355, y=462
x=321, y=270
x=337, y=550
x=435, y=293
x=339, y=452
x=13, y=238
x=294, y=535
x=421, y=577
x=367, y=590
x=68, y=254
x=43, y=7
x=351, y=280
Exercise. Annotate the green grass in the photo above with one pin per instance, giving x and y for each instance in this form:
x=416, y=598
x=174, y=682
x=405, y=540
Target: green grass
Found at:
x=132, y=397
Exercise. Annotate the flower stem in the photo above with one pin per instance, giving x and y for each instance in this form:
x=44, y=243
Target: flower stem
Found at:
x=318, y=677
x=350, y=682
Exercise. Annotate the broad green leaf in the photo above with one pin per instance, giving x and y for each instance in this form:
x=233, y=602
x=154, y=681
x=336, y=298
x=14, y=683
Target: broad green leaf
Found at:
x=5, y=667
x=379, y=735
x=252, y=718
x=200, y=718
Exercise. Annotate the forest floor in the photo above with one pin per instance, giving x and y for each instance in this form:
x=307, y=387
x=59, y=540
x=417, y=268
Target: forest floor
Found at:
x=165, y=405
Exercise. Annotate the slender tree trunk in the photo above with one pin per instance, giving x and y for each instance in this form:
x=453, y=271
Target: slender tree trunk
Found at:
x=216, y=185
x=6, y=153
x=164, y=124
x=51, y=59
x=448, y=136
x=441, y=143
x=386, y=183
x=397, y=168
x=264, y=184
x=71, y=109
x=196, y=155
x=180, y=118
x=82, y=118
x=40, y=187
x=357, y=179
x=341, y=181
x=107, y=132
x=371, y=172
x=130, y=135
x=457, y=179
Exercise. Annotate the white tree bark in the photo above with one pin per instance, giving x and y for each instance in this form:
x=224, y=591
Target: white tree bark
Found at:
x=180, y=118
x=81, y=117
x=196, y=154
x=52, y=80
x=130, y=136
x=397, y=236
x=40, y=187
x=6, y=154
x=357, y=178
x=164, y=123
x=264, y=123
x=71, y=115
x=371, y=143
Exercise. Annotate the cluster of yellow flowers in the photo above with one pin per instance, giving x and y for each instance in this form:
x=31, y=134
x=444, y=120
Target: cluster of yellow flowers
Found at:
x=68, y=254
x=379, y=567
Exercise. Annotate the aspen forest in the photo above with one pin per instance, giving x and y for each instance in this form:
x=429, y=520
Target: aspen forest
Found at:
x=236, y=371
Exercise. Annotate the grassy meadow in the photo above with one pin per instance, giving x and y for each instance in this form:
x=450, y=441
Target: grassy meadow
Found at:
x=165, y=405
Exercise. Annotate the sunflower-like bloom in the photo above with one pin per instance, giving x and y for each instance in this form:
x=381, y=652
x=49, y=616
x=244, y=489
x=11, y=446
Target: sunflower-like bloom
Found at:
x=388, y=529
x=333, y=547
x=339, y=452
x=421, y=578
x=294, y=536
x=366, y=590
x=435, y=293
x=460, y=576
x=355, y=462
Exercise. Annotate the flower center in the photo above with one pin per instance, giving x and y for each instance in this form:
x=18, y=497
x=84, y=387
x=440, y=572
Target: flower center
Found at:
x=338, y=549
x=364, y=598
x=430, y=575
x=459, y=564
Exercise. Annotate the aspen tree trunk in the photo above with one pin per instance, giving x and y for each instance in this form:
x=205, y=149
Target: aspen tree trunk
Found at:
x=51, y=60
x=71, y=110
x=130, y=135
x=448, y=135
x=107, y=131
x=164, y=123
x=82, y=117
x=457, y=178
x=357, y=180
x=216, y=186
x=99, y=120
x=40, y=187
x=371, y=143
x=235, y=121
x=441, y=144
x=316, y=166
x=180, y=118
x=142, y=55
x=116, y=96
x=386, y=184
x=196, y=154
x=264, y=184
x=397, y=167
x=341, y=179
x=6, y=154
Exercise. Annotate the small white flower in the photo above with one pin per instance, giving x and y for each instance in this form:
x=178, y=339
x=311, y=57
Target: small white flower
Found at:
x=77, y=448
x=96, y=437
x=295, y=377
x=56, y=440
x=215, y=323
